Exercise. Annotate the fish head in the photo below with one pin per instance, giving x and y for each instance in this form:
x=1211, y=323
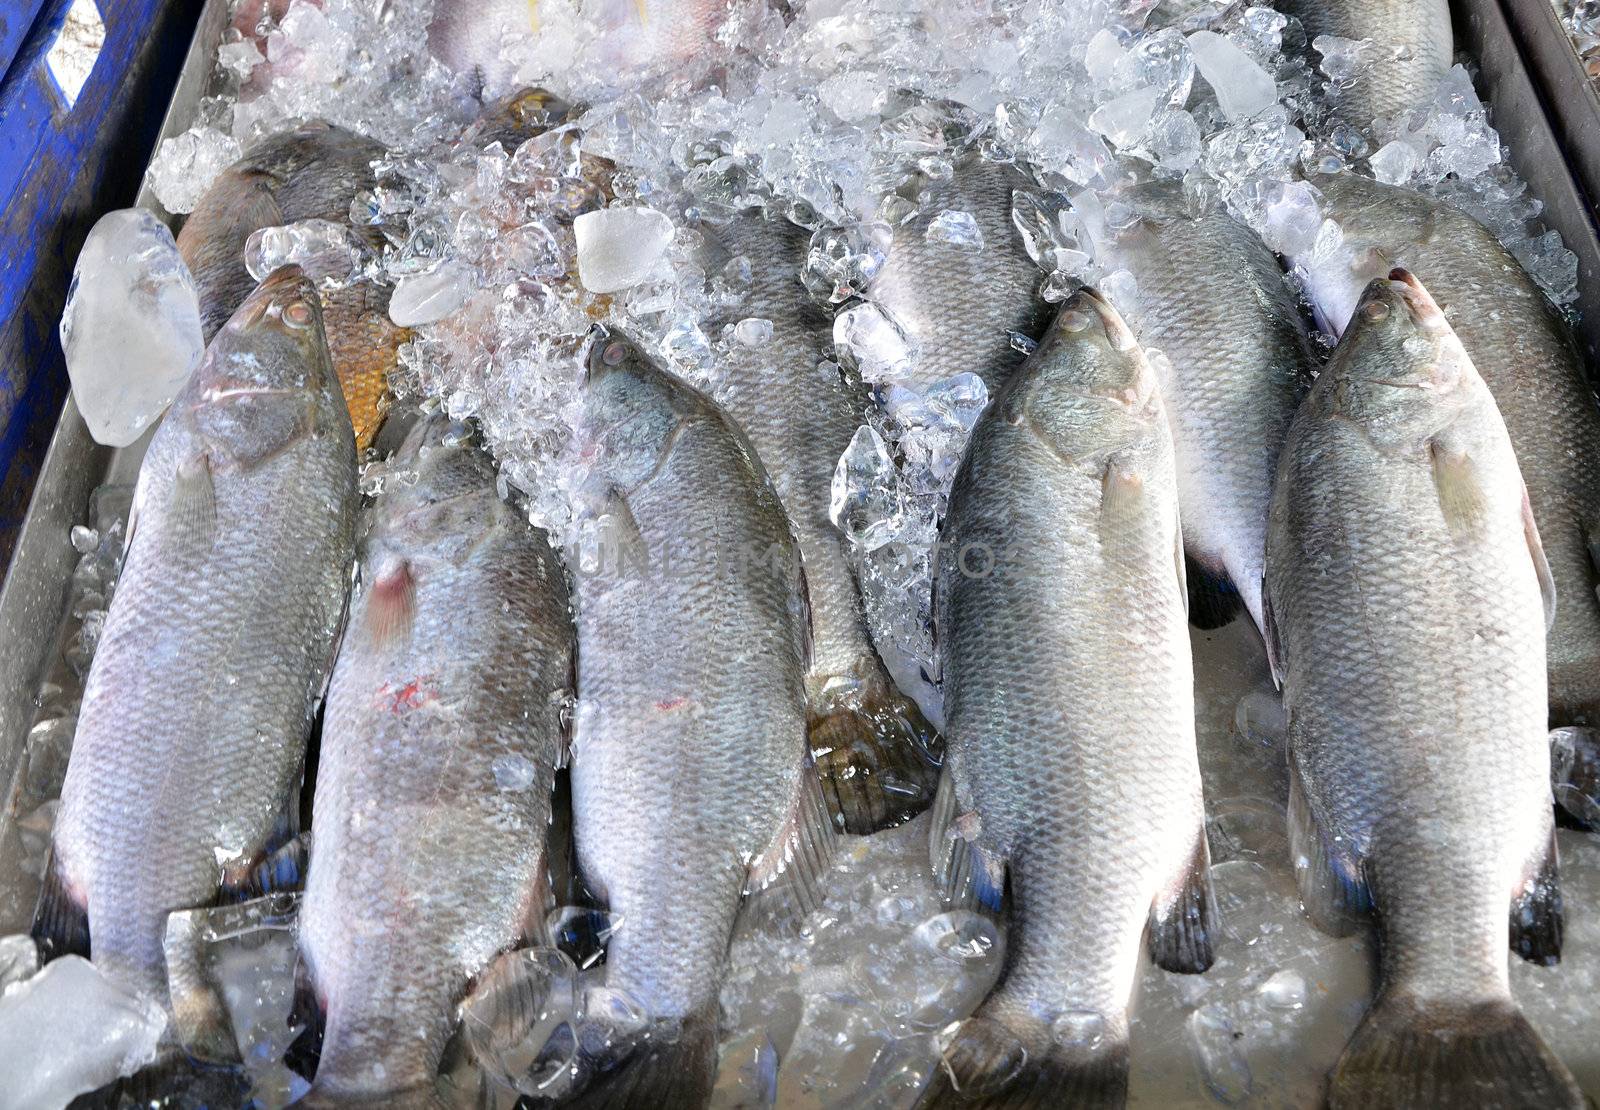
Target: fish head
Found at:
x=632, y=412
x=267, y=378
x=1370, y=228
x=516, y=118
x=1089, y=387
x=439, y=493
x=1400, y=364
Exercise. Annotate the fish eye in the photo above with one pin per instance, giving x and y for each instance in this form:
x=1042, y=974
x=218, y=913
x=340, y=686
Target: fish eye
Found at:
x=1375, y=310
x=613, y=354
x=1073, y=321
x=297, y=314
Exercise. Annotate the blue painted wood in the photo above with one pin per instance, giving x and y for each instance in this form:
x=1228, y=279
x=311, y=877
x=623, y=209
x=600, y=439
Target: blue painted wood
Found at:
x=16, y=20
x=60, y=169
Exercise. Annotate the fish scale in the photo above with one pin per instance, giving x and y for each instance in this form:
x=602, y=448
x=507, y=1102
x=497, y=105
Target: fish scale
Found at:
x=1234, y=363
x=1072, y=770
x=1412, y=49
x=960, y=304
x=1526, y=355
x=1407, y=624
x=426, y=867
x=196, y=712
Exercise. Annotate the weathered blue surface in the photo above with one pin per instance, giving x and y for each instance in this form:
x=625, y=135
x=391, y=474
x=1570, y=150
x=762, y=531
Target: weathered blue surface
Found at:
x=61, y=167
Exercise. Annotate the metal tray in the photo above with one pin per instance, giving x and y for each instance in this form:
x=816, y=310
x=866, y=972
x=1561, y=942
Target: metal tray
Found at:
x=1228, y=663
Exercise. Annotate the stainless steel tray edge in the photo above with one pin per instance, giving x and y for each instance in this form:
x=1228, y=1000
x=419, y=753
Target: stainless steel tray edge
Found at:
x=34, y=595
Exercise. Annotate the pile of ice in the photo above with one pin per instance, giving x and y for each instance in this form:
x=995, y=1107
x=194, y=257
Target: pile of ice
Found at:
x=1581, y=18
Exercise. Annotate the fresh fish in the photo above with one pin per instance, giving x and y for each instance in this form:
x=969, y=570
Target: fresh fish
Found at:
x=1224, y=334
x=1526, y=354
x=192, y=735
x=439, y=748
x=1071, y=772
x=959, y=302
x=1411, y=48
x=691, y=781
x=1407, y=598
x=870, y=741
x=313, y=172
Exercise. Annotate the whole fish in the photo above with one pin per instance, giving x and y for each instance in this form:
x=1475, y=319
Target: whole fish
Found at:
x=1224, y=334
x=691, y=782
x=1411, y=48
x=1525, y=353
x=960, y=301
x=439, y=748
x=870, y=741
x=1406, y=605
x=313, y=172
x=192, y=735
x=1071, y=772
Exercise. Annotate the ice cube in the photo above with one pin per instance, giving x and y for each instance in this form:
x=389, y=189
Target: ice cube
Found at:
x=853, y=95
x=1174, y=139
x=1222, y=1063
x=1293, y=218
x=131, y=327
x=866, y=502
x=1395, y=162
x=19, y=959
x=957, y=228
x=328, y=252
x=1163, y=61
x=873, y=342
x=1244, y=90
x=620, y=247
x=76, y=1031
x=1342, y=59
x=1102, y=55
x=1124, y=118
x=752, y=331
x=513, y=773
x=1284, y=990
x=186, y=165
x=429, y=297
x=842, y=261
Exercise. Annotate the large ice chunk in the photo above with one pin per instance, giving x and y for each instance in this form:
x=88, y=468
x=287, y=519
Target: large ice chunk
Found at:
x=131, y=328
x=429, y=297
x=619, y=247
x=1243, y=88
x=75, y=1030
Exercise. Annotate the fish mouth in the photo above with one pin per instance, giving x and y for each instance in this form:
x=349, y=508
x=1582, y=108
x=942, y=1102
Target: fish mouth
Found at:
x=1424, y=310
x=1090, y=302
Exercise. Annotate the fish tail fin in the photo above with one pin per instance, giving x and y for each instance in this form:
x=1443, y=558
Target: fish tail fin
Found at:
x=658, y=1074
x=987, y=1065
x=877, y=757
x=1411, y=1053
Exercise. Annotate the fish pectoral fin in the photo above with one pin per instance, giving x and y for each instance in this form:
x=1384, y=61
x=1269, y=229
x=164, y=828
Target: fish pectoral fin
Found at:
x=786, y=882
x=1575, y=774
x=1214, y=600
x=1183, y=917
x=1122, y=499
x=1463, y=501
x=1541, y=565
x=967, y=875
x=194, y=501
x=1536, y=915
x=282, y=868
x=1332, y=886
x=1181, y=565
x=61, y=920
x=391, y=603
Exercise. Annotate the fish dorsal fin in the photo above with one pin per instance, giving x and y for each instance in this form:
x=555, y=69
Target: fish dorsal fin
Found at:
x=1332, y=885
x=966, y=874
x=1184, y=916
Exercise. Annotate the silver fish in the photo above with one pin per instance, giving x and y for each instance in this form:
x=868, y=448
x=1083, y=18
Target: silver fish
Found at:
x=439, y=748
x=1407, y=598
x=1412, y=49
x=1526, y=355
x=960, y=303
x=1069, y=699
x=690, y=776
x=192, y=736
x=1224, y=334
x=870, y=741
